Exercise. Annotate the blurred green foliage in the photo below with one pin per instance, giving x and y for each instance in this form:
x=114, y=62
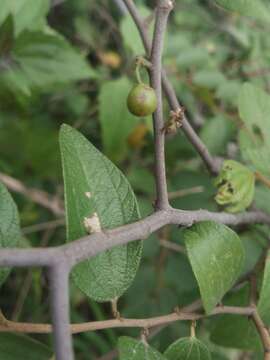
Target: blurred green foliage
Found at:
x=74, y=63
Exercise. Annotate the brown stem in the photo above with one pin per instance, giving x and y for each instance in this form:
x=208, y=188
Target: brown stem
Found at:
x=263, y=332
x=210, y=162
x=163, y=10
x=255, y=316
x=10, y=326
x=263, y=179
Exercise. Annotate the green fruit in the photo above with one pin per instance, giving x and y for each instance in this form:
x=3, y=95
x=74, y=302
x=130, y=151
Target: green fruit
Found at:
x=142, y=100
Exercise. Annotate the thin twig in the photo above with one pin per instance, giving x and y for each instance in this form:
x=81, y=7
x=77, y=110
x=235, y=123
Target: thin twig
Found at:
x=172, y=246
x=255, y=316
x=211, y=163
x=263, y=179
x=263, y=332
x=38, y=196
x=184, y=192
x=196, y=305
x=10, y=326
x=43, y=226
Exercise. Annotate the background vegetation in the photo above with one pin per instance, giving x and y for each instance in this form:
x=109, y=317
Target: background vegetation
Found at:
x=76, y=66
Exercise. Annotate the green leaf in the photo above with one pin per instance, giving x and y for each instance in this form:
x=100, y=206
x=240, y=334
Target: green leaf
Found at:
x=9, y=226
x=131, y=349
x=236, y=186
x=28, y=14
x=97, y=193
x=253, y=8
x=228, y=91
x=264, y=299
x=216, y=133
x=216, y=255
x=130, y=32
x=194, y=56
x=14, y=347
x=189, y=348
x=210, y=79
x=236, y=331
x=6, y=38
x=262, y=198
x=116, y=124
x=135, y=176
x=44, y=59
x=254, y=109
x=48, y=59
x=218, y=356
x=253, y=249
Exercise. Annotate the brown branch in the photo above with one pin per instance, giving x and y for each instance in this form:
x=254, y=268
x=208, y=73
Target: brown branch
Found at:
x=263, y=179
x=38, y=196
x=91, y=245
x=263, y=332
x=211, y=163
x=10, y=326
x=255, y=316
x=163, y=10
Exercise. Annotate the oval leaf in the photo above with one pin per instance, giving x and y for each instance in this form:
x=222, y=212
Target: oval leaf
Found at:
x=14, y=347
x=189, y=348
x=27, y=14
x=98, y=196
x=10, y=233
x=216, y=255
x=131, y=349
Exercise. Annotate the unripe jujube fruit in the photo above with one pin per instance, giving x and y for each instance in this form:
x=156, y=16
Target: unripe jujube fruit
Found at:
x=142, y=100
